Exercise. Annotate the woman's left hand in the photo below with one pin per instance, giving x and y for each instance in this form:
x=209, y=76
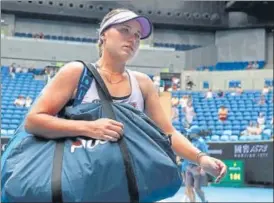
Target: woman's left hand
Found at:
x=214, y=167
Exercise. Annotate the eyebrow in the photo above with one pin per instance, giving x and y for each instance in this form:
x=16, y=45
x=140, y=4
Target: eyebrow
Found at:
x=131, y=28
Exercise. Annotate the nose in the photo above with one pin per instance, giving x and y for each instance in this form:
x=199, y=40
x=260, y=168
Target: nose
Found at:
x=132, y=40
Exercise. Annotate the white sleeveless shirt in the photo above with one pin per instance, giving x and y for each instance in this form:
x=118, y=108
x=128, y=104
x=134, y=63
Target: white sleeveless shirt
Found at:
x=135, y=98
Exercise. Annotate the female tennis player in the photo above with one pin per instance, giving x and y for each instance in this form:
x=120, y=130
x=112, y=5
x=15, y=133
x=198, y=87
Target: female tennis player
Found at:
x=119, y=38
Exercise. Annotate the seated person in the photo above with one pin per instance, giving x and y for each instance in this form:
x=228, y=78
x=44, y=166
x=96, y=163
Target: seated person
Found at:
x=239, y=90
x=20, y=101
x=18, y=69
x=189, y=112
x=261, y=101
x=261, y=119
x=259, y=129
x=265, y=90
x=209, y=94
x=223, y=113
x=233, y=91
x=174, y=108
x=25, y=70
x=255, y=65
x=220, y=93
x=249, y=66
x=28, y=102
x=183, y=101
x=253, y=129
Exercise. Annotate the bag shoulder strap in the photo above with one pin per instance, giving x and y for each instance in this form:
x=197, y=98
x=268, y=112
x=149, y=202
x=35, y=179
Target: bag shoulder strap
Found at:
x=83, y=85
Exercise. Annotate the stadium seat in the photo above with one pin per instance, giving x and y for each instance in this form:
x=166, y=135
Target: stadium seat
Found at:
x=4, y=132
x=234, y=138
x=227, y=132
x=10, y=132
x=224, y=138
x=266, y=134
x=243, y=138
x=215, y=138
x=254, y=137
x=13, y=127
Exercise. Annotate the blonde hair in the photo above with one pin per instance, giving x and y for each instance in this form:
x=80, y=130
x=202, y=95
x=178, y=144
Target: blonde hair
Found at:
x=107, y=17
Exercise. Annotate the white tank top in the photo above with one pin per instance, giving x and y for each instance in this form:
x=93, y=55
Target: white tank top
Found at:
x=135, y=98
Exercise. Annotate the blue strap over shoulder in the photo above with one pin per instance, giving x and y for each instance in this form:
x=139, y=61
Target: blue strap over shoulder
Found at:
x=83, y=86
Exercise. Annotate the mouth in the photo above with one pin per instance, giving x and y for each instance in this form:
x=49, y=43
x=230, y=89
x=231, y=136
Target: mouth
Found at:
x=129, y=47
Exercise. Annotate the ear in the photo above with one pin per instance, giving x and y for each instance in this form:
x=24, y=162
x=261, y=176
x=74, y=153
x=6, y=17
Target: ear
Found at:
x=102, y=37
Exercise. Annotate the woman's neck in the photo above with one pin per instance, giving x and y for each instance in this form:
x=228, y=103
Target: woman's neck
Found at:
x=108, y=63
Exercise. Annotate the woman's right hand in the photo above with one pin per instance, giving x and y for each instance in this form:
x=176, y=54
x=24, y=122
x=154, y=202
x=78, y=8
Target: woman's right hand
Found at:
x=105, y=129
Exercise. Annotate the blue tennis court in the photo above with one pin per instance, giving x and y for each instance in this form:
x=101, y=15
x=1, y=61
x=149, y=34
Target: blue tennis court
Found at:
x=225, y=194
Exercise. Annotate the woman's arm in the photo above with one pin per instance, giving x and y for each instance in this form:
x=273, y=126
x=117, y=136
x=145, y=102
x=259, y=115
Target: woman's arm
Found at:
x=154, y=109
x=180, y=144
x=42, y=120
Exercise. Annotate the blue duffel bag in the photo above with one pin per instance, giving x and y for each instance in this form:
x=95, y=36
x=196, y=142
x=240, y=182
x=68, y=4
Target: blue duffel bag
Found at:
x=140, y=167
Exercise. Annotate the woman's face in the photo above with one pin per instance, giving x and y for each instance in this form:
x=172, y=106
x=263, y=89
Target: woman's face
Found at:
x=122, y=40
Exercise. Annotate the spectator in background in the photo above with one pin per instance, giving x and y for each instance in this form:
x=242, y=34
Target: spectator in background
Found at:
x=189, y=83
x=261, y=120
x=255, y=65
x=258, y=129
x=156, y=81
x=47, y=74
x=175, y=112
x=28, y=102
x=25, y=70
x=265, y=90
x=189, y=112
x=41, y=35
x=175, y=83
x=261, y=101
x=239, y=90
x=31, y=69
x=183, y=101
x=209, y=94
x=35, y=35
x=18, y=69
x=38, y=35
x=249, y=66
x=12, y=70
x=20, y=101
x=220, y=93
x=223, y=113
x=233, y=92
x=250, y=129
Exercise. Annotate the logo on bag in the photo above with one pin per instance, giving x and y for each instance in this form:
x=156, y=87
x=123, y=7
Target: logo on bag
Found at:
x=86, y=144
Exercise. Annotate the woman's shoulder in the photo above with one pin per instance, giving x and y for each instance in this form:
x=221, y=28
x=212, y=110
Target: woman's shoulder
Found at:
x=71, y=70
x=141, y=77
x=144, y=81
x=73, y=66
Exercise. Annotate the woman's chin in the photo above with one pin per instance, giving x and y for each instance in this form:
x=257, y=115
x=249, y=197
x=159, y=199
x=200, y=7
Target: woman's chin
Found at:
x=125, y=56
